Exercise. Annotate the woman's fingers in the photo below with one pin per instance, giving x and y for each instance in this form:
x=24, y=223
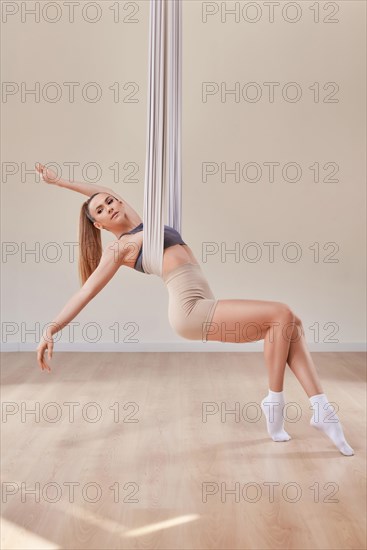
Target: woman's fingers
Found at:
x=41, y=361
x=48, y=175
x=40, y=168
x=50, y=350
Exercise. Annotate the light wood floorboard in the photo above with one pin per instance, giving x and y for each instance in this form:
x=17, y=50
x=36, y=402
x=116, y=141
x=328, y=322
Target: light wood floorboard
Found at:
x=163, y=456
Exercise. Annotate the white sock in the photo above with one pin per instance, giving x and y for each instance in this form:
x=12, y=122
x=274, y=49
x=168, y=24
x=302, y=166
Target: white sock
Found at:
x=327, y=421
x=272, y=407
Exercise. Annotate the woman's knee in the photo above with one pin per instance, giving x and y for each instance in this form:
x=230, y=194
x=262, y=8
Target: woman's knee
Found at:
x=297, y=321
x=292, y=320
x=298, y=331
x=285, y=312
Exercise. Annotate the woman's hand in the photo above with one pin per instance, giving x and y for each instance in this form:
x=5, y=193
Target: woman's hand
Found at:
x=48, y=175
x=46, y=342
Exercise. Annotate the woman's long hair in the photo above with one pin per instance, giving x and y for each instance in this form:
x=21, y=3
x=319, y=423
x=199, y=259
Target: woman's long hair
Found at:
x=90, y=243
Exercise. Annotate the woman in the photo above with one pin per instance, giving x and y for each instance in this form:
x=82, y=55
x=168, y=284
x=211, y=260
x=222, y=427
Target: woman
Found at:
x=194, y=313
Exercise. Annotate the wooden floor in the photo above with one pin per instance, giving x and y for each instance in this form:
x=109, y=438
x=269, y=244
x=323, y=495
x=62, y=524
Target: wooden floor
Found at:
x=167, y=479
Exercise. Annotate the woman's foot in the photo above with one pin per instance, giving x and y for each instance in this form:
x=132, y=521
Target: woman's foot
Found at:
x=272, y=406
x=324, y=420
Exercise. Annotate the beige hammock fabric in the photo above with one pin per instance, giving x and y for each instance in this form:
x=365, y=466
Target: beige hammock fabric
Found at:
x=163, y=169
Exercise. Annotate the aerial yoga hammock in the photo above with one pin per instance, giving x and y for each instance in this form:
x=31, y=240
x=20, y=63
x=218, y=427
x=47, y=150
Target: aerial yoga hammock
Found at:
x=163, y=154
x=191, y=301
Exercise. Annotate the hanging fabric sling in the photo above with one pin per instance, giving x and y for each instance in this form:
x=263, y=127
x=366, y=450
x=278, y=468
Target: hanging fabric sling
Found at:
x=163, y=177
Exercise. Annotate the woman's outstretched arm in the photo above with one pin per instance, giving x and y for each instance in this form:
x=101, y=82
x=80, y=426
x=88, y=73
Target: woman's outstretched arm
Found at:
x=49, y=176
x=85, y=188
x=107, y=267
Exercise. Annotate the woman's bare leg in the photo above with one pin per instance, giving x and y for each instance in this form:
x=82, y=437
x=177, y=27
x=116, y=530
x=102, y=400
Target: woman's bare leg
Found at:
x=244, y=321
x=301, y=363
x=251, y=320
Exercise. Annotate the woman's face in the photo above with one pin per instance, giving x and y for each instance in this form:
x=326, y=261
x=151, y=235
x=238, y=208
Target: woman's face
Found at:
x=106, y=211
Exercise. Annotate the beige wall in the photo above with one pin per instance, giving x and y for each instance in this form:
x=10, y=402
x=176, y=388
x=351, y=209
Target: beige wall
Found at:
x=329, y=296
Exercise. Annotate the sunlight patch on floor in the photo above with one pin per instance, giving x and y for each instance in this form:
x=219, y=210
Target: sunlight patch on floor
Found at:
x=14, y=536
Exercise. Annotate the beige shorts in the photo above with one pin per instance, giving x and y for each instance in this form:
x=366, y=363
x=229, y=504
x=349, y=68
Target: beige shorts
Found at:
x=191, y=302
